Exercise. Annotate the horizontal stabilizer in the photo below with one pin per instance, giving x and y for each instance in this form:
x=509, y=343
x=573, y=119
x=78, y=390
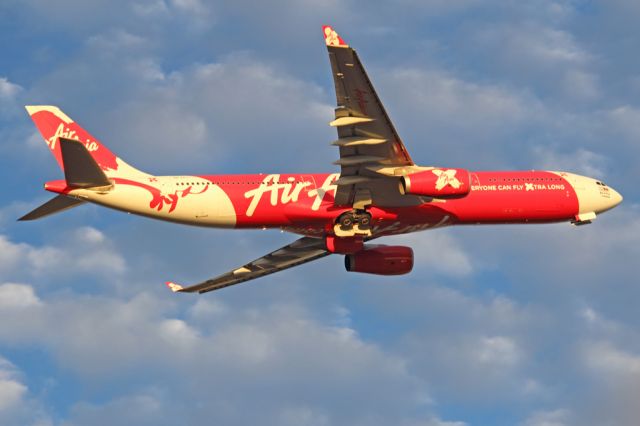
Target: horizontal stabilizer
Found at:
x=55, y=205
x=80, y=169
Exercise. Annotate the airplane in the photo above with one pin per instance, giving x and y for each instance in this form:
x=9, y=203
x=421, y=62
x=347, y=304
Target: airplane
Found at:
x=378, y=192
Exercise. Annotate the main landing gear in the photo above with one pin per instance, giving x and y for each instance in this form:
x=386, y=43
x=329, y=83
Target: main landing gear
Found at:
x=354, y=222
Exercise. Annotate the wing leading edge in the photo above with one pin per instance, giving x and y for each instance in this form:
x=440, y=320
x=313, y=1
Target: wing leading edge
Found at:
x=301, y=251
x=367, y=138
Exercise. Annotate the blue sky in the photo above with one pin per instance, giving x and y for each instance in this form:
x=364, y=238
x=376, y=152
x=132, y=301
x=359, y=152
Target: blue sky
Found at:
x=514, y=325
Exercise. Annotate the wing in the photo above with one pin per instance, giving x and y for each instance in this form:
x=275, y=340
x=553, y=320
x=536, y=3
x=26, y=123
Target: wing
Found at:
x=367, y=140
x=301, y=251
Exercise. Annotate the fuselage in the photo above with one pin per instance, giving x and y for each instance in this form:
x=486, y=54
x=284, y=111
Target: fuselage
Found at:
x=304, y=203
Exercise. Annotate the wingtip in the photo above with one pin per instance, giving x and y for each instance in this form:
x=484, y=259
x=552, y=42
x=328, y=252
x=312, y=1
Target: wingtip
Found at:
x=174, y=287
x=331, y=37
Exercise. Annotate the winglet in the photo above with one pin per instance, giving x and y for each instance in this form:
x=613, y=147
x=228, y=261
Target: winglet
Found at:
x=174, y=287
x=331, y=37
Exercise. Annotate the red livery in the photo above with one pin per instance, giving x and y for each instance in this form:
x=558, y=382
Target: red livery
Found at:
x=381, y=260
x=439, y=183
x=379, y=190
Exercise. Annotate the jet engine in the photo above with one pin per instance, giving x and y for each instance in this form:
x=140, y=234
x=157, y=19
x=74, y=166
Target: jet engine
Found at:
x=438, y=183
x=381, y=260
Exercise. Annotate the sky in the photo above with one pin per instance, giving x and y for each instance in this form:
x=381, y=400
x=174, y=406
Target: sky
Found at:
x=514, y=325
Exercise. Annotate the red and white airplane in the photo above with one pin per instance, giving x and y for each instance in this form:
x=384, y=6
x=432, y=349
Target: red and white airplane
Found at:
x=379, y=190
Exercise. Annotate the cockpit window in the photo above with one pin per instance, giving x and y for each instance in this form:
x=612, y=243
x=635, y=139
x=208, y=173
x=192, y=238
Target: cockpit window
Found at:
x=600, y=183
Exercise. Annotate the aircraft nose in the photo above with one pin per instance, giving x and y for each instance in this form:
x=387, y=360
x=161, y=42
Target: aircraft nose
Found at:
x=594, y=197
x=615, y=199
x=606, y=198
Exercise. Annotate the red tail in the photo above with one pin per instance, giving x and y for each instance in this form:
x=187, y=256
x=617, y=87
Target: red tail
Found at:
x=54, y=124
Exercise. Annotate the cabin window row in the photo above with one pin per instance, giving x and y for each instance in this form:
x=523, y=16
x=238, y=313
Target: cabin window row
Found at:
x=525, y=179
x=235, y=183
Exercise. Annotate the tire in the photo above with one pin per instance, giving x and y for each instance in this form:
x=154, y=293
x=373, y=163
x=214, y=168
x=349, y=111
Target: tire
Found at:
x=346, y=221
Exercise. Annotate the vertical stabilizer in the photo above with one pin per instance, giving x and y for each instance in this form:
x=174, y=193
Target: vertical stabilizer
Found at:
x=54, y=124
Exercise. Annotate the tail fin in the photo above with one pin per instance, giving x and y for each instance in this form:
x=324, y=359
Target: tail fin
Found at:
x=54, y=124
x=80, y=171
x=80, y=168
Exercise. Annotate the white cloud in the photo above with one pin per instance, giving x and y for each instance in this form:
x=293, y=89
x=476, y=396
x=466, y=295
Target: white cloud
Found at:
x=464, y=363
x=581, y=161
x=535, y=45
x=191, y=6
x=498, y=351
x=302, y=415
x=78, y=252
x=437, y=94
x=17, y=296
x=8, y=94
x=444, y=118
x=437, y=251
x=115, y=41
x=540, y=53
x=10, y=253
x=615, y=375
x=147, y=69
x=276, y=347
x=612, y=362
x=559, y=417
x=582, y=85
x=17, y=405
x=469, y=349
x=439, y=7
x=12, y=391
x=149, y=8
x=82, y=17
x=204, y=113
x=144, y=408
x=199, y=14
x=8, y=90
x=625, y=121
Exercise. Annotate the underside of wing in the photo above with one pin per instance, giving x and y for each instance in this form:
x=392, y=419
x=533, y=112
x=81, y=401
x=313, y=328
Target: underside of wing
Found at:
x=367, y=139
x=55, y=205
x=301, y=251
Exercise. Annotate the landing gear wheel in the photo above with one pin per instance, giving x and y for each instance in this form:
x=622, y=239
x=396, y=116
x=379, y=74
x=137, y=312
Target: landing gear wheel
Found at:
x=346, y=221
x=352, y=223
x=364, y=220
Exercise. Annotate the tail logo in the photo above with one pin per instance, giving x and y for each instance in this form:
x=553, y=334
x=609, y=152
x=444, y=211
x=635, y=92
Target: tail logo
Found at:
x=332, y=38
x=62, y=132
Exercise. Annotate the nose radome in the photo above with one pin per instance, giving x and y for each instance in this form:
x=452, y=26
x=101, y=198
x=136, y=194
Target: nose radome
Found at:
x=616, y=198
x=611, y=199
x=594, y=197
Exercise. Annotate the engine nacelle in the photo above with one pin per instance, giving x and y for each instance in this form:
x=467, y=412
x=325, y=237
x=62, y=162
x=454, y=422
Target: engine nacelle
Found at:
x=438, y=183
x=381, y=260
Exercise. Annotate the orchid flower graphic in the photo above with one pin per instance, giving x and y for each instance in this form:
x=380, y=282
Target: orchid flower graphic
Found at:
x=446, y=177
x=331, y=37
